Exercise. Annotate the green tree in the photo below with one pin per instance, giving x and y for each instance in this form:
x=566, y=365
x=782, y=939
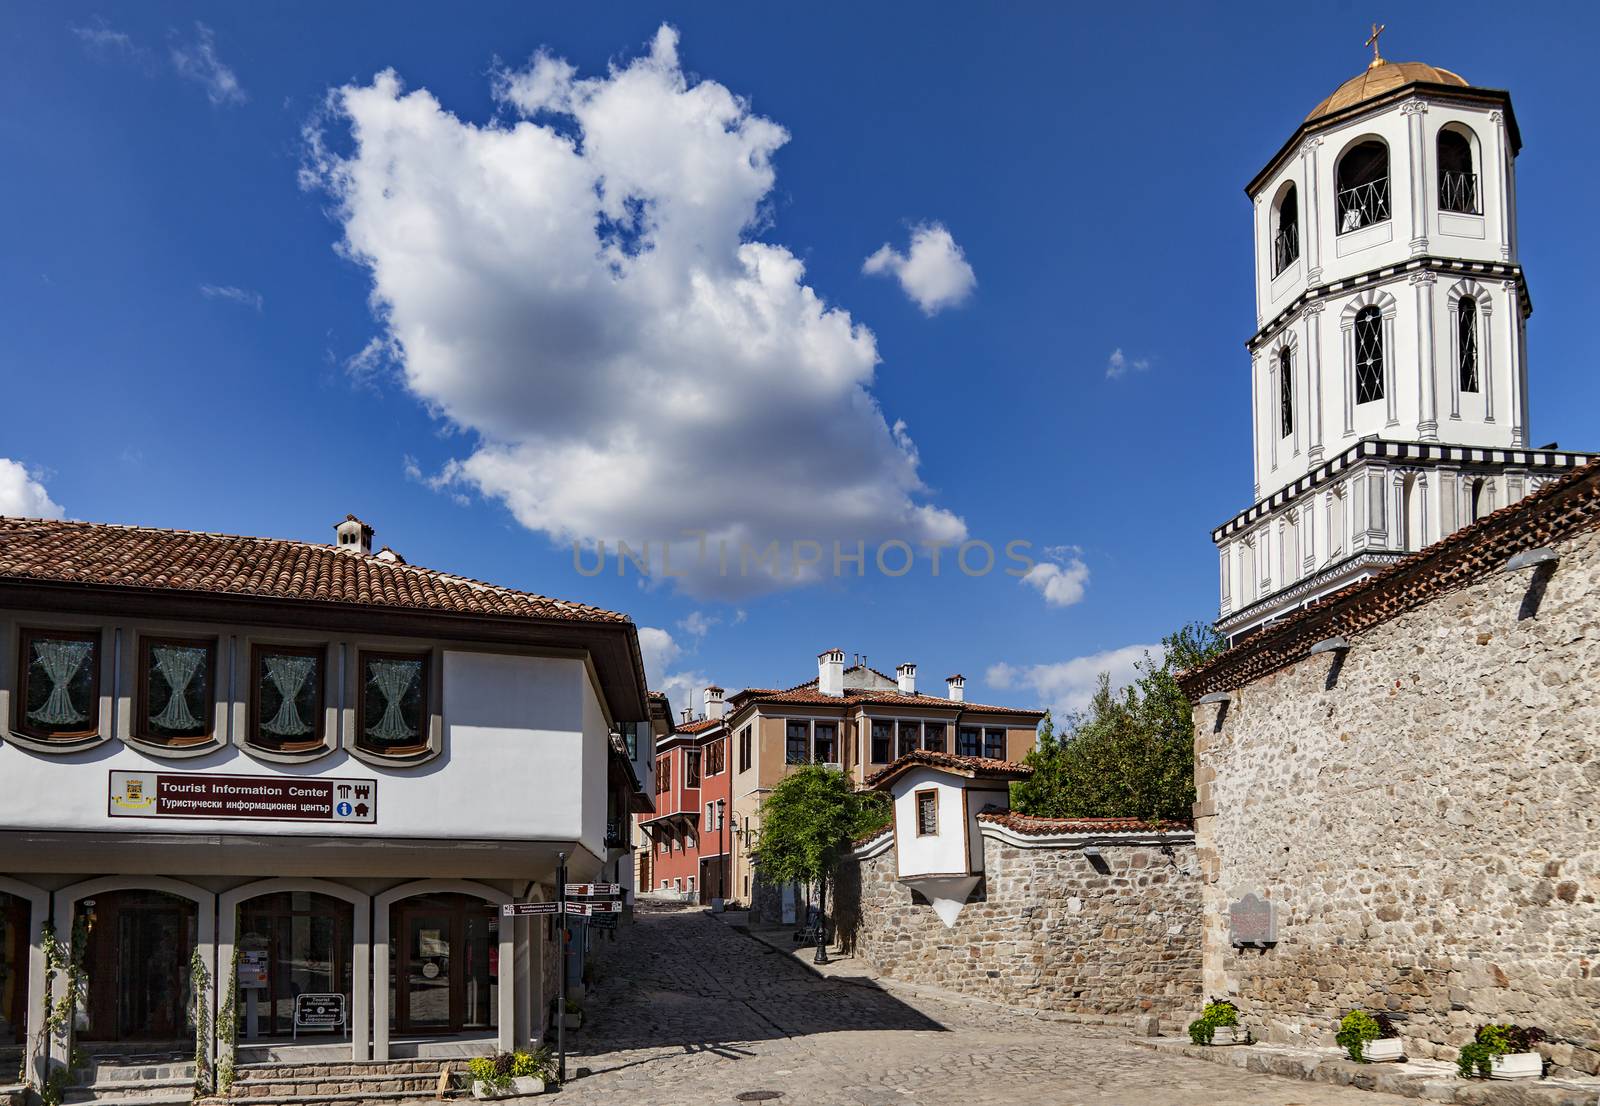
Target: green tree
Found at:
x=1130, y=754
x=808, y=823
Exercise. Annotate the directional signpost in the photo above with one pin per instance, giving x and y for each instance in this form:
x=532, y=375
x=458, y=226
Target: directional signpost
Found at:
x=589, y=909
x=527, y=909
x=592, y=890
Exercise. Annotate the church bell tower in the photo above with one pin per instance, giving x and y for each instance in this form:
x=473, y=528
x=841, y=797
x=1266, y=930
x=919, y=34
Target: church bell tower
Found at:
x=1388, y=369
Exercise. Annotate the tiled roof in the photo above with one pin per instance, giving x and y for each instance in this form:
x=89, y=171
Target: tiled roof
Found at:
x=102, y=554
x=879, y=697
x=967, y=766
x=697, y=726
x=1558, y=510
x=1030, y=826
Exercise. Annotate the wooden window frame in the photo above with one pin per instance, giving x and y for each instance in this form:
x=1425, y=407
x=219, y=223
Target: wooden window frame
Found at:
x=424, y=743
x=944, y=733
x=691, y=768
x=986, y=731
x=258, y=652
x=931, y=793
x=889, y=740
x=141, y=694
x=978, y=752
x=838, y=756
x=744, y=749
x=26, y=636
x=788, y=737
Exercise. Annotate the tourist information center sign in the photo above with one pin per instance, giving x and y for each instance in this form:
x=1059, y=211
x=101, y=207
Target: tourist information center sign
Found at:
x=271, y=798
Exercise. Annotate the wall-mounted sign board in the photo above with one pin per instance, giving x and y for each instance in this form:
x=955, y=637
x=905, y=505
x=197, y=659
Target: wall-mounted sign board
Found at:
x=269, y=798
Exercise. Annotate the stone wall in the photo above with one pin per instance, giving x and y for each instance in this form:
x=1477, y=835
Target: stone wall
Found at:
x=1426, y=823
x=1044, y=929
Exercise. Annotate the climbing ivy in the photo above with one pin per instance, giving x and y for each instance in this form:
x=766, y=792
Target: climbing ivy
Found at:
x=67, y=963
x=228, y=1028
x=200, y=988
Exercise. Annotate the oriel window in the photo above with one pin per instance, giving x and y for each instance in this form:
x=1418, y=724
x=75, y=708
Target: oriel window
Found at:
x=393, y=714
x=176, y=690
x=286, y=698
x=58, y=684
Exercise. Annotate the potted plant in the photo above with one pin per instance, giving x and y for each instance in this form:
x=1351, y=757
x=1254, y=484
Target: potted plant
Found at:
x=1369, y=1038
x=572, y=1016
x=1503, y=1051
x=1218, y=1025
x=511, y=1074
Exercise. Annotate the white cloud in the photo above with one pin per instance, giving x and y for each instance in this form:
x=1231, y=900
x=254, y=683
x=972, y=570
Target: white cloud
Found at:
x=22, y=495
x=1120, y=364
x=661, y=652
x=935, y=273
x=1062, y=585
x=580, y=287
x=197, y=61
x=1067, y=686
x=698, y=623
x=243, y=296
x=101, y=39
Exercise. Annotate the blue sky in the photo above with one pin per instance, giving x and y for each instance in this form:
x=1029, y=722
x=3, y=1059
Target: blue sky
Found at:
x=183, y=333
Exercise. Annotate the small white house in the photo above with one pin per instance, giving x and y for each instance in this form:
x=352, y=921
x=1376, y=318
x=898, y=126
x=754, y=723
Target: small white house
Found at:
x=937, y=799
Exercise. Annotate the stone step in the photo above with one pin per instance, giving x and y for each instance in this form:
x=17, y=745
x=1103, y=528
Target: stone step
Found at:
x=352, y=1098
x=105, y=1070
x=132, y=1096
x=424, y=1083
x=344, y=1069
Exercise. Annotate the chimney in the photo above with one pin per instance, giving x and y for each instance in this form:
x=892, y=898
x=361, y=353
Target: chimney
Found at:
x=353, y=536
x=830, y=672
x=714, y=704
x=688, y=715
x=906, y=676
x=956, y=688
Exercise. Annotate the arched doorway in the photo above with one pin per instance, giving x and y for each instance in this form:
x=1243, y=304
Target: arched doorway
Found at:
x=445, y=957
x=444, y=964
x=15, y=927
x=137, y=960
x=297, y=943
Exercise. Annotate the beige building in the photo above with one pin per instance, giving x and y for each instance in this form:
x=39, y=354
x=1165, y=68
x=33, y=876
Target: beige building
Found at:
x=859, y=719
x=1396, y=794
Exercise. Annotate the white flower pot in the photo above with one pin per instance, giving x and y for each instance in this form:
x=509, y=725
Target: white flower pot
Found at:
x=1229, y=1035
x=520, y=1085
x=1517, y=1065
x=1384, y=1050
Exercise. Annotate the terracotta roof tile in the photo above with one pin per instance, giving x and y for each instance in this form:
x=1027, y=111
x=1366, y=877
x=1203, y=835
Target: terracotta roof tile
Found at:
x=880, y=697
x=1558, y=510
x=972, y=766
x=103, y=554
x=1030, y=826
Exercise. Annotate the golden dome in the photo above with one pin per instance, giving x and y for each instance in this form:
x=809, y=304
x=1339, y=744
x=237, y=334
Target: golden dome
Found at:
x=1381, y=77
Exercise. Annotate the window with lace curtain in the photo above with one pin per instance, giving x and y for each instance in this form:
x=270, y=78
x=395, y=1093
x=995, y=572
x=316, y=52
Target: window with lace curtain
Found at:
x=286, y=698
x=58, y=685
x=392, y=715
x=176, y=692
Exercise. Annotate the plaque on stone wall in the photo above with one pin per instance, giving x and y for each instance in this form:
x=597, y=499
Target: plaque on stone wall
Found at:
x=1252, y=922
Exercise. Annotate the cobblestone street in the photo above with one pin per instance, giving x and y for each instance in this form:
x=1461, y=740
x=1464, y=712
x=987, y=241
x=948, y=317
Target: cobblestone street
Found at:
x=691, y=1011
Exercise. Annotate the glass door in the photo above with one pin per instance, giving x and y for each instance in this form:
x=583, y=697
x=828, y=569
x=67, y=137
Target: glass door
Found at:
x=13, y=969
x=153, y=946
x=428, y=974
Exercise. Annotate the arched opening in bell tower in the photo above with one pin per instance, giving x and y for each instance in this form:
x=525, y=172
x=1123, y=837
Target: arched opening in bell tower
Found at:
x=1362, y=179
x=1458, y=176
x=1285, y=228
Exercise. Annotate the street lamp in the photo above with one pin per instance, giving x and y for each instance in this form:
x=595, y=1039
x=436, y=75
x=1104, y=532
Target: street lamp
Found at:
x=722, y=854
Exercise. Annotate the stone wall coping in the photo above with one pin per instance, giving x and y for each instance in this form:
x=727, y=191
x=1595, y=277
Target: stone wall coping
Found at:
x=1079, y=840
x=872, y=846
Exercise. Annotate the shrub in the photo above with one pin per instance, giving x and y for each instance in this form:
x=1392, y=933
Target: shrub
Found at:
x=1219, y=1011
x=1496, y=1039
x=496, y=1072
x=1358, y=1027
